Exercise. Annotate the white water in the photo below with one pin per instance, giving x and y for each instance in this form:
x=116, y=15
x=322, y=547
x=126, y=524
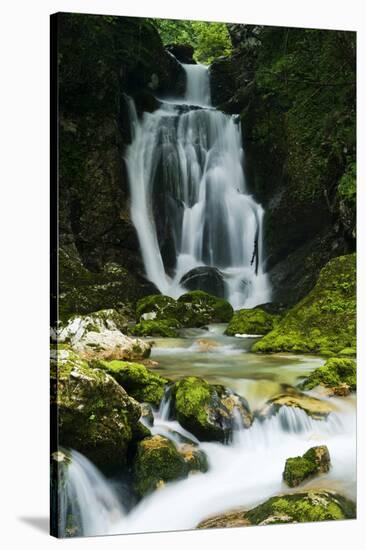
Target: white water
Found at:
x=241, y=474
x=191, y=155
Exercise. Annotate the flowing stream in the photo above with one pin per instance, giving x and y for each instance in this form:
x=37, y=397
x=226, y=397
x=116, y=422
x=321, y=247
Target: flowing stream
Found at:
x=189, y=200
x=241, y=474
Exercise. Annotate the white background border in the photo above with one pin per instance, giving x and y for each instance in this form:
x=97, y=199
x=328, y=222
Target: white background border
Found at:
x=24, y=120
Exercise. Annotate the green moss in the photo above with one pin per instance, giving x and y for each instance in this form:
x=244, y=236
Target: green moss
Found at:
x=333, y=373
x=156, y=303
x=251, y=321
x=325, y=320
x=136, y=379
x=298, y=469
x=302, y=507
x=199, y=302
x=166, y=328
x=157, y=461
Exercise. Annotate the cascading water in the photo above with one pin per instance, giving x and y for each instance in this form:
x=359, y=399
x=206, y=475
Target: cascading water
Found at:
x=189, y=201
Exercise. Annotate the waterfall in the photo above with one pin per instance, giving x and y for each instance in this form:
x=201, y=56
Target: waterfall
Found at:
x=88, y=504
x=189, y=201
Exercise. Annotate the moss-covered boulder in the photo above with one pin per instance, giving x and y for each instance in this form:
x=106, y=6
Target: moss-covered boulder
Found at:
x=193, y=309
x=136, y=379
x=338, y=374
x=300, y=468
x=158, y=461
x=166, y=328
x=95, y=414
x=209, y=412
x=302, y=507
x=313, y=407
x=294, y=508
x=202, y=308
x=99, y=335
x=325, y=320
x=251, y=321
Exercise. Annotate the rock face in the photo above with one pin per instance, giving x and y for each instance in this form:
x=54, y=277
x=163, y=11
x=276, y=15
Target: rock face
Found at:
x=325, y=320
x=183, y=52
x=337, y=374
x=209, y=412
x=251, y=321
x=99, y=336
x=313, y=407
x=300, y=468
x=159, y=461
x=100, y=60
x=95, y=415
x=162, y=315
x=205, y=278
x=294, y=169
x=140, y=383
x=295, y=508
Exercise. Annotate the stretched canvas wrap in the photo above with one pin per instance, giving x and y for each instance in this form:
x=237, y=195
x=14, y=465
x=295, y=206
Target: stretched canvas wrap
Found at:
x=203, y=357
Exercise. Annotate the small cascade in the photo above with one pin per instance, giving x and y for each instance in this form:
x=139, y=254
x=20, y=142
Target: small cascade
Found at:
x=165, y=405
x=189, y=200
x=88, y=499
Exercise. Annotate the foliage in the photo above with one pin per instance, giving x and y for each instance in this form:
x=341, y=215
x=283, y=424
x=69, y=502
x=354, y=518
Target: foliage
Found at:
x=209, y=40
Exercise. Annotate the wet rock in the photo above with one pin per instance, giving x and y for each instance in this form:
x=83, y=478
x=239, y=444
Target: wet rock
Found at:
x=209, y=412
x=206, y=345
x=337, y=374
x=251, y=321
x=313, y=407
x=183, y=52
x=209, y=279
x=164, y=328
x=142, y=384
x=298, y=469
x=158, y=461
x=147, y=414
x=228, y=519
x=99, y=336
x=95, y=414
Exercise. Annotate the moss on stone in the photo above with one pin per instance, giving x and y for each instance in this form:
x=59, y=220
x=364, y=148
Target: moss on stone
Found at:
x=206, y=410
x=200, y=304
x=302, y=507
x=313, y=407
x=298, y=469
x=156, y=303
x=165, y=328
x=325, y=320
x=136, y=379
x=333, y=373
x=251, y=321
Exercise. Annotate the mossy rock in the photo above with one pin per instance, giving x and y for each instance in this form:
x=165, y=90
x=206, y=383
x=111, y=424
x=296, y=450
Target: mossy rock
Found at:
x=136, y=379
x=159, y=461
x=302, y=507
x=165, y=328
x=334, y=373
x=193, y=309
x=315, y=408
x=208, y=411
x=300, y=468
x=324, y=321
x=251, y=321
x=96, y=416
x=200, y=306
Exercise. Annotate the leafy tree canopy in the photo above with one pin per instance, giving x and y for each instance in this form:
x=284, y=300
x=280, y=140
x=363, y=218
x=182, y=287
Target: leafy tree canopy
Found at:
x=209, y=40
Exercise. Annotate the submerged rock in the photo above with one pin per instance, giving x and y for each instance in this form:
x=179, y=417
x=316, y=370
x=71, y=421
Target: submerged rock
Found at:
x=95, y=415
x=325, y=320
x=251, y=321
x=142, y=384
x=313, y=407
x=339, y=375
x=193, y=309
x=300, y=468
x=99, y=335
x=206, y=278
x=209, y=412
x=294, y=508
x=158, y=460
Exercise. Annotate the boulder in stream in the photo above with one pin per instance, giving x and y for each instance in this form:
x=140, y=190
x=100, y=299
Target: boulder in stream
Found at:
x=140, y=383
x=209, y=412
x=337, y=374
x=300, y=468
x=206, y=278
x=251, y=321
x=313, y=407
x=158, y=460
x=95, y=414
